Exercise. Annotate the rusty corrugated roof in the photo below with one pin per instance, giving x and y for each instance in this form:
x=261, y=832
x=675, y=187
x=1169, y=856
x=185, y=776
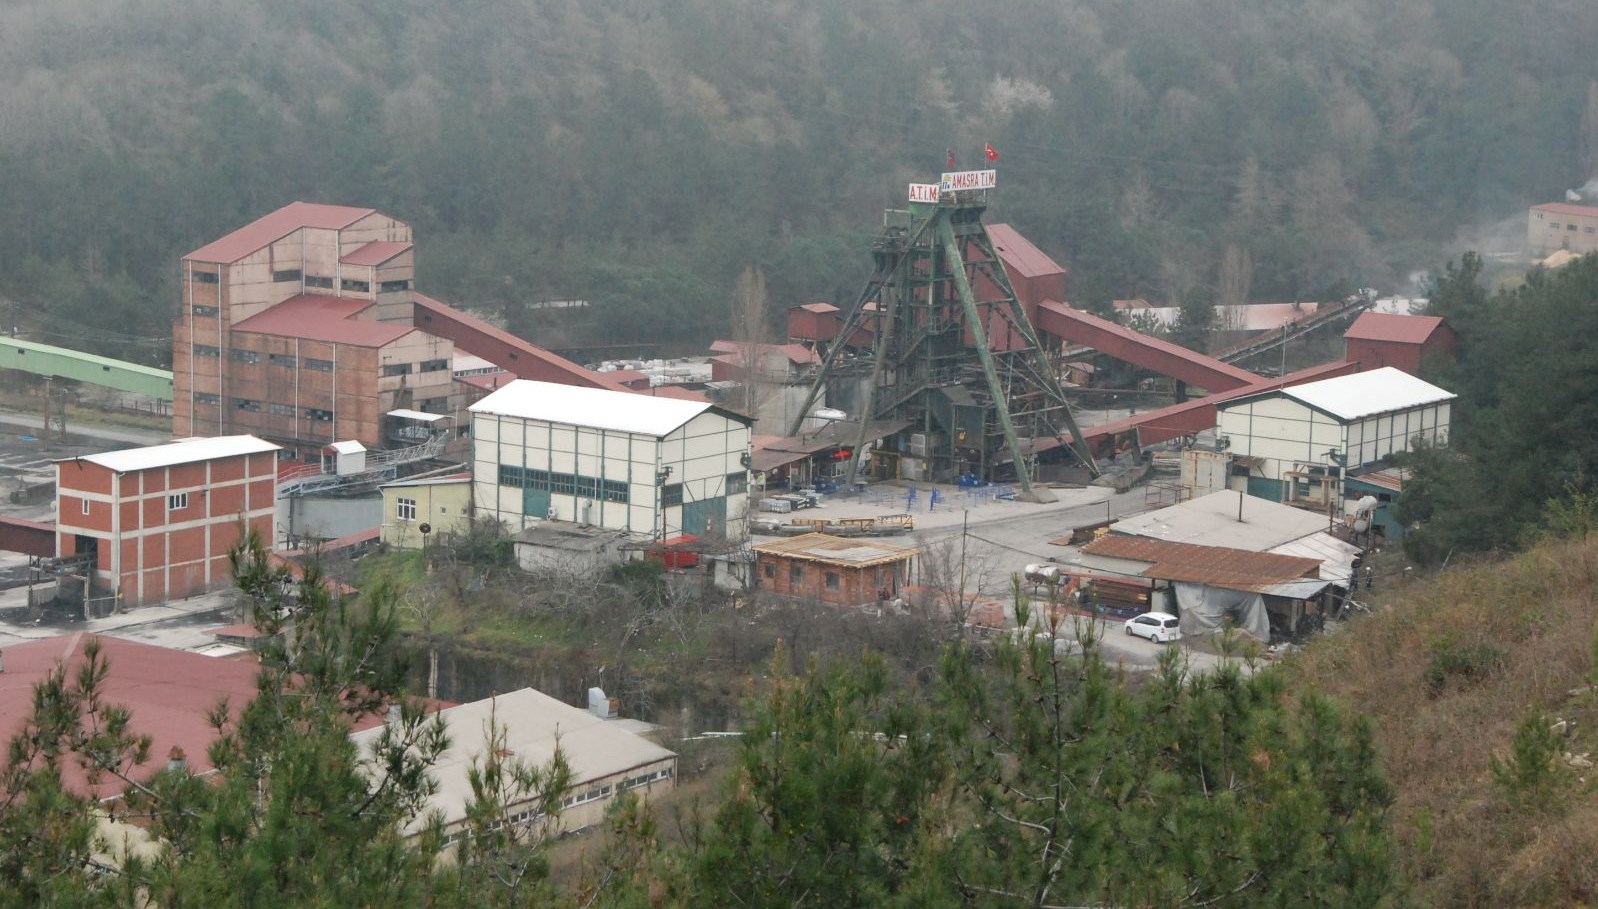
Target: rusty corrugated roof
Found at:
x=1218, y=566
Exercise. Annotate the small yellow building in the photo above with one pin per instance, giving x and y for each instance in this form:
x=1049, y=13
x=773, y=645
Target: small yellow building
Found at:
x=416, y=510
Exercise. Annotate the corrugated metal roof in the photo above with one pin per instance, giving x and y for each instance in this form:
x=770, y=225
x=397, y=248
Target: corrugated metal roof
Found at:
x=1219, y=560
x=1365, y=394
x=622, y=411
x=1019, y=254
x=376, y=253
x=1381, y=326
x=183, y=451
x=168, y=693
x=447, y=480
x=1387, y=477
x=534, y=725
x=286, y=220
x=1336, y=557
x=830, y=550
x=318, y=317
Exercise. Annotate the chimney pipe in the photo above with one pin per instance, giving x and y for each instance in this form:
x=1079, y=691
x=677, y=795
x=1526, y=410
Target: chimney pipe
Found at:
x=176, y=760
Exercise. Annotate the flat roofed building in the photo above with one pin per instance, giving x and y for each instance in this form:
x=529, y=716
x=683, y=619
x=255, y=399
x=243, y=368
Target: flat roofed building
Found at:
x=842, y=571
x=443, y=505
x=1561, y=225
x=610, y=459
x=156, y=523
x=606, y=758
x=1310, y=434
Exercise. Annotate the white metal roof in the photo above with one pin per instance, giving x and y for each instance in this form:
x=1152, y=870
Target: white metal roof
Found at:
x=346, y=447
x=1363, y=394
x=532, y=722
x=1212, y=520
x=418, y=415
x=599, y=408
x=183, y=451
x=1336, y=556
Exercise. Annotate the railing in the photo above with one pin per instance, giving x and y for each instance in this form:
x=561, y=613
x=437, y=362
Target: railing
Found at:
x=381, y=466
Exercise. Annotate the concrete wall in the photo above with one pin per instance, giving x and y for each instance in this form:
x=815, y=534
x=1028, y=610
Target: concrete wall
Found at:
x=327, y=517
x=445, y=507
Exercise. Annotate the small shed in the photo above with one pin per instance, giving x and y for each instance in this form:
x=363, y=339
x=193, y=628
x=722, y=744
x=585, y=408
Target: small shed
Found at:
x=1378, y=339
x=836, y=570
x=344, y=458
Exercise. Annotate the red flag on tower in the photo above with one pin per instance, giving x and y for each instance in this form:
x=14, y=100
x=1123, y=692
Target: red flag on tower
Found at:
x=991, y=152
x=948, y=158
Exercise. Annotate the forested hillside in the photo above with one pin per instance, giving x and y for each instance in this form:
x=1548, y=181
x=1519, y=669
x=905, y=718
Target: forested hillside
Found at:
x=639, y=153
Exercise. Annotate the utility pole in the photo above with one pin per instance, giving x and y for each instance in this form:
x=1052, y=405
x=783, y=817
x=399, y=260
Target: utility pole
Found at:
x=965, y=525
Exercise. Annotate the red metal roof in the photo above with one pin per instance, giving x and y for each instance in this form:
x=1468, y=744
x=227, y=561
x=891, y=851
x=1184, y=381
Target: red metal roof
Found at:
x=1566, y=208
x=376, y=253
x=286, y=220
x=168, y=692
x=1217, y=566
x=498, y=346
x=317, y=317
x=1019, y=255
x=1381, y=326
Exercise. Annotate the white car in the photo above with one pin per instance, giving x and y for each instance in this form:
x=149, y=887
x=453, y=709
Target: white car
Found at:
x=1156, y=626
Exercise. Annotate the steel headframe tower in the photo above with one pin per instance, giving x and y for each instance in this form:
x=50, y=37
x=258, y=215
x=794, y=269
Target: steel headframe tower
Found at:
x=965, y=370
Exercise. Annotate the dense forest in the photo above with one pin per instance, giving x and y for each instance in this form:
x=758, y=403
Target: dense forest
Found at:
x=639, y=153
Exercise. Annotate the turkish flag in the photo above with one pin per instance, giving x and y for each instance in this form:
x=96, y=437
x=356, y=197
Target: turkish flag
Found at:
x=991, y=152
x=948, y=158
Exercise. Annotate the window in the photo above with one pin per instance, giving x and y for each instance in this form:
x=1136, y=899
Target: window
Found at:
x=616, y=491
x=318, y=414
x=771, y=570
x=316, y=365
x=397, y=369
x=405, y=509
x=1554, y=224
x=738, y=483
x=199, y=310
x=434, y=405
x=282, y=360
x=206, y=350
x=832, y=580
x=563, y=483
x=288, y=274
x=244, y=356
x=670, y=494
x=318, y=281
x=247, y=404
x=201, y=397
x=433, y=366
x=205, y=277
x=85, y=506
x=391, y=286
x=796, y=574
x=177, y=501
x=282, y=410
x=357, y=286
x=512, y=476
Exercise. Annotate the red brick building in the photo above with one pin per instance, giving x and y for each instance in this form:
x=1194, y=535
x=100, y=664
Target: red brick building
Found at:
x=159, y=521
x=1378, y=339
x=837, y=570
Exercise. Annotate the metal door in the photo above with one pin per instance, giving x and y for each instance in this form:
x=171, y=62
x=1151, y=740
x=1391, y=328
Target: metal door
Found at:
x=535, y=503
x=705, y=518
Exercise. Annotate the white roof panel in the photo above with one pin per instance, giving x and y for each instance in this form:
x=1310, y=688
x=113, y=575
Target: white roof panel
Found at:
x=1336, y=556
x=1363, y=394
x=598, y=408
x=1212, y=520
x=418, y=415
x=183, y=451
x=346, y=447
x=533, y=723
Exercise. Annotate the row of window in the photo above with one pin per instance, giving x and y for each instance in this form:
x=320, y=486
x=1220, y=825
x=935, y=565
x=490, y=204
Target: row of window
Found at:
x=568, y=484
x=646, y=779
x=294, y=274
x=404, y=369
x=796, y=574
x=251, y=405
x=177, y=501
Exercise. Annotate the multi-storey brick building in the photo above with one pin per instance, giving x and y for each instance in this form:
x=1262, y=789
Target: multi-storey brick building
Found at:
x=299, y=328
x=159, y=521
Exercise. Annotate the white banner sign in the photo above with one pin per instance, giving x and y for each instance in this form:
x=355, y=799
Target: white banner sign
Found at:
x=970, y=179
x=924, y=192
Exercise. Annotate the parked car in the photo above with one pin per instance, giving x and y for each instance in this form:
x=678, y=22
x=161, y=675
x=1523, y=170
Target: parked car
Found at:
x=1156, y=626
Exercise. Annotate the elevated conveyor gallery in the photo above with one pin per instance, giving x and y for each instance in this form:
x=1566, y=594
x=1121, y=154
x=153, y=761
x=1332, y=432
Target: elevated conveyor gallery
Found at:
x=1122, y=343
x=64, y=363
x=503, y=349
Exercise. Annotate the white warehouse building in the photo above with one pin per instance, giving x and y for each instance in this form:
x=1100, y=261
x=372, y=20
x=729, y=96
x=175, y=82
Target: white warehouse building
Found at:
x=1296, y=443
x=644, y=465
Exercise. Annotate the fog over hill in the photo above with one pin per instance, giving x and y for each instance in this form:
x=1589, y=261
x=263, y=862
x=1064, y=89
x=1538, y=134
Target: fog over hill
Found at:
x=640, y=153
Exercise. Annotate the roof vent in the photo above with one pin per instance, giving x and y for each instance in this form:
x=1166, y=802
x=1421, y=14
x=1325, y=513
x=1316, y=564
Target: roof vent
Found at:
x=177, y=761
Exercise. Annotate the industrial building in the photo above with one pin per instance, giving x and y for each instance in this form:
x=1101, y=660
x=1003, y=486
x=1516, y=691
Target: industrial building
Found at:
x=1299, y=440
x=304, y=327
x=654, y=467
x=156, y=523
x=607, y=757
x=841, y=571
x=1378, y=339
x=1561, y=225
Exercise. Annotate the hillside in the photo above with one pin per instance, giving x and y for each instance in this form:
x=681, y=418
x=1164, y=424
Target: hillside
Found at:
x=1473, y=667
x=640, y=153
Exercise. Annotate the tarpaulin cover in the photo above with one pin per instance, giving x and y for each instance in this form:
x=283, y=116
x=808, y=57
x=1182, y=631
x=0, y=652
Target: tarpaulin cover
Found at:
x=1204, y=610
